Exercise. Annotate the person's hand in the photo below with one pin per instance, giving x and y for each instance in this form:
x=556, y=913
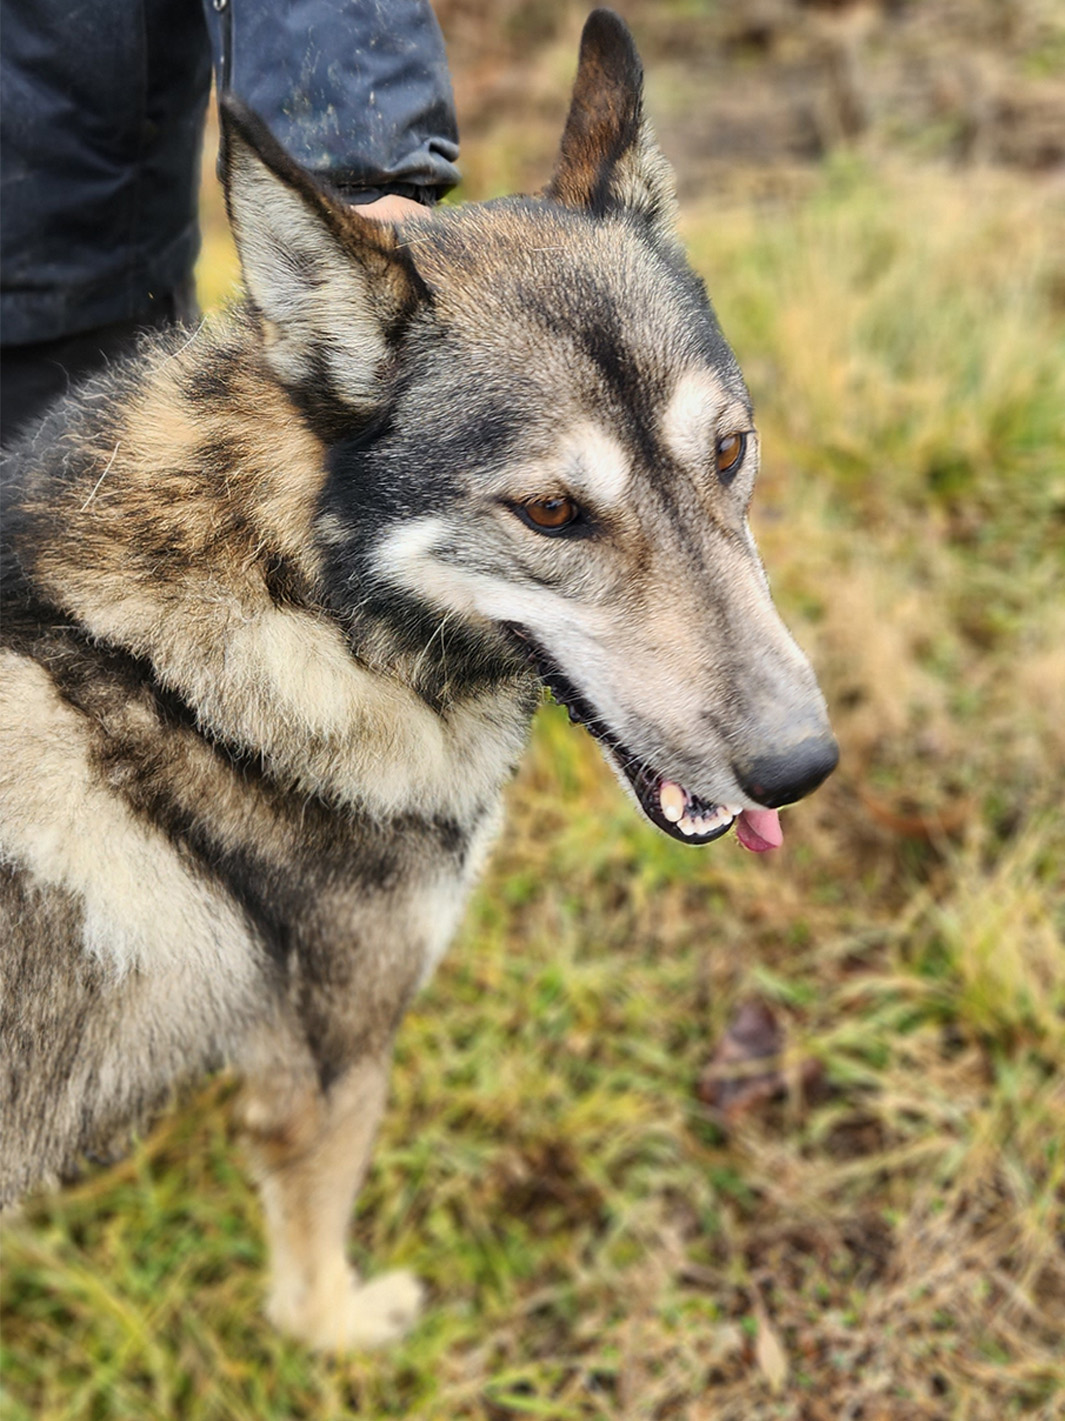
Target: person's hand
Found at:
x=392, y=208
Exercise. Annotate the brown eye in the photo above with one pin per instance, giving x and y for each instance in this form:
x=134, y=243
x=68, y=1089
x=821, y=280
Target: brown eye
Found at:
x=549, y=515
x=730, y=451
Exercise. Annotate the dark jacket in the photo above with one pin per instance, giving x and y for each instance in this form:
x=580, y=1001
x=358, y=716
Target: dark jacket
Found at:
x=101, y=119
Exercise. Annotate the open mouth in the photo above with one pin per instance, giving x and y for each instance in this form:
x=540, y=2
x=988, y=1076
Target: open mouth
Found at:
x=669, y=806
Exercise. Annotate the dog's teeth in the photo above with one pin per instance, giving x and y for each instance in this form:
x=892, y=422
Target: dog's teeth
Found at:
x=677, y=807
x=673, y=801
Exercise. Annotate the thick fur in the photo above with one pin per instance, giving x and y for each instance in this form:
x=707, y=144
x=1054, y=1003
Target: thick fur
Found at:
x=268, y=595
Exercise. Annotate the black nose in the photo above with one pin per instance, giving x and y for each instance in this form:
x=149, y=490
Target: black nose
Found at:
x=774, y=780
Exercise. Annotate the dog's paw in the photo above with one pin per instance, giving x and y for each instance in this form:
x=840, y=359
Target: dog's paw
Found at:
x=384, y=1310
x=361, y=1315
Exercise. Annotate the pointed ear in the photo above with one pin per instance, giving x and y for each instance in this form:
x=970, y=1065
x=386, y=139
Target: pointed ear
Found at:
x=329, y=286
x=609, y=160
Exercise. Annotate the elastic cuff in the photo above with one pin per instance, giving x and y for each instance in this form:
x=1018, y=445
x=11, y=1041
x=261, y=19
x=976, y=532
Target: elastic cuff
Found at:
x=417, y=192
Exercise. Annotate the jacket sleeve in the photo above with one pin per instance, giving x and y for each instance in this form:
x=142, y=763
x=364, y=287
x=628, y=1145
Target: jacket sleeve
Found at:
x=356, y=90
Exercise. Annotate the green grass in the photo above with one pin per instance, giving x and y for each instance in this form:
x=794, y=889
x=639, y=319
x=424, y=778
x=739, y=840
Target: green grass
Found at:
x=596, y=1245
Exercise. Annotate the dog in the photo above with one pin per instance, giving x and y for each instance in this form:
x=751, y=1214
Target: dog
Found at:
x=280, y=598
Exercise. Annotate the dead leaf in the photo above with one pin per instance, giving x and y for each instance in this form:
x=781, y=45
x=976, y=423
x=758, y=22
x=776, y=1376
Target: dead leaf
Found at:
x=737, y=1079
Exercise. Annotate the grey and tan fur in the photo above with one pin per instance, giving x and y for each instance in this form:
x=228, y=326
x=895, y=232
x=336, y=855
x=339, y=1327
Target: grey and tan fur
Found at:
x=279, y=598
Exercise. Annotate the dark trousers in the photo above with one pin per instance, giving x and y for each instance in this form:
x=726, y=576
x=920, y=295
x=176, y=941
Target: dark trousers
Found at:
x=33, y=377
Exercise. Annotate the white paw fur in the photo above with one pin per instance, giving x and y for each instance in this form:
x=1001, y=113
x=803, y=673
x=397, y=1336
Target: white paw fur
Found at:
x=359, y=1315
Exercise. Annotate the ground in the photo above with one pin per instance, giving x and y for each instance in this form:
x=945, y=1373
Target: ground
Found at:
x=885, y=1238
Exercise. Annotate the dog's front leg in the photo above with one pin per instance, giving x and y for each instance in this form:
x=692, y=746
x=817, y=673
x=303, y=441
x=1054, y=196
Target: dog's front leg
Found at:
x=311, y=1152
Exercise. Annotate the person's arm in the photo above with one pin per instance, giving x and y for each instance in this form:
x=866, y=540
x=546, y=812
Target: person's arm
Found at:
x=356, y=90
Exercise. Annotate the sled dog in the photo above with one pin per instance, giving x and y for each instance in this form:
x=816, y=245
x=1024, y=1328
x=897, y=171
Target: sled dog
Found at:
x=280, y=597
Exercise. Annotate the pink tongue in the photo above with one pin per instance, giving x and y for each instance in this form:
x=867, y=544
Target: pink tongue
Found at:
x=759, y=830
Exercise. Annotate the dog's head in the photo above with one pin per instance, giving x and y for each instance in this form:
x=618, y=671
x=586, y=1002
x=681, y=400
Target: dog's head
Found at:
x=538, y=440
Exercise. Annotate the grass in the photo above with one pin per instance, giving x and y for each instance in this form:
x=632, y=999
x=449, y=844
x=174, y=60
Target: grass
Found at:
x=889, y=1243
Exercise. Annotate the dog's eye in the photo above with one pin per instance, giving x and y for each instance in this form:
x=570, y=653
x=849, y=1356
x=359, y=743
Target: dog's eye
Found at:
x=730, y=451
x=548, y=515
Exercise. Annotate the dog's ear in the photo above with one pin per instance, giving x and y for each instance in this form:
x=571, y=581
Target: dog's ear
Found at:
x=331, y=288
x=609, y=160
